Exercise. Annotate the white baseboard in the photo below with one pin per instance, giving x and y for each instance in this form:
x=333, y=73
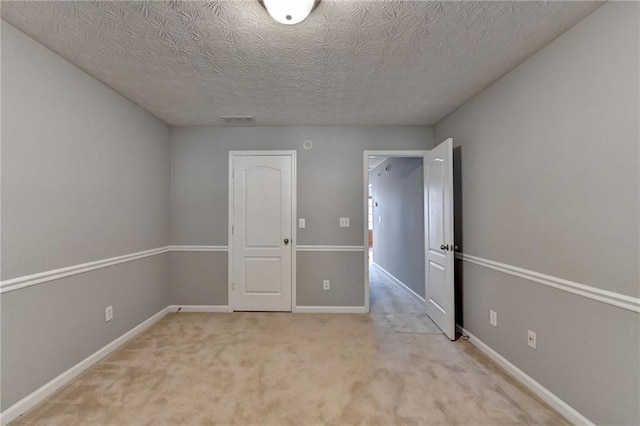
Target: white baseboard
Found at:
x=400, y=283
x=330, y=309
x=571, y=414
x=297, y=309
x=199, y=308
x=47, y=389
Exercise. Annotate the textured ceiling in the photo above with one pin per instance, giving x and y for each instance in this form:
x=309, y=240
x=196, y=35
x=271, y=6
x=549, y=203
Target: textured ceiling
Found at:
x=350, y=62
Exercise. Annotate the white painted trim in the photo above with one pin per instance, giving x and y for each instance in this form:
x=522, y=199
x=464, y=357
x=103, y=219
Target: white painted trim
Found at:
x=49, y=388
x=543, y=393
x=400, y=283
x=605, y=296
x=330, y=309
x=199, y=248
x=294, y=228
x=199, y=308
x=365, y=223
x=56, y=274
x=230, y=293
x=394, y=153
x=331, y=248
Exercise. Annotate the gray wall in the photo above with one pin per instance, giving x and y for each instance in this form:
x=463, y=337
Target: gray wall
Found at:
x=199, y=278
x=345, y=271
x=398, y=240
x=330, y=184
x=49, y=328
x=84, y=177
x=549, y=180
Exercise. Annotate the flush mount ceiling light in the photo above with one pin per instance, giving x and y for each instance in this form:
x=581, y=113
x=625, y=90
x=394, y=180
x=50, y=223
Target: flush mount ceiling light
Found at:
x=289, y=11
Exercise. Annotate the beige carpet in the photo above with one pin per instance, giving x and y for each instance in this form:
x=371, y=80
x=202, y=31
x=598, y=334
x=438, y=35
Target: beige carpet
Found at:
x=412, y=323
x=290, y=369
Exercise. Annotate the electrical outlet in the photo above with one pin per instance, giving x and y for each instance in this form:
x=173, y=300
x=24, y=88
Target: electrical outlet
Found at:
x=531, y=337
x=344, y=222
x=108, y=313
x=301, y=223
x=493, y=318
x=326, y=285
x=379, y=219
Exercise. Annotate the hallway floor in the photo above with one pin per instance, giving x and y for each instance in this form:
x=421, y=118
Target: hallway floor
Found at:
x=402, y=311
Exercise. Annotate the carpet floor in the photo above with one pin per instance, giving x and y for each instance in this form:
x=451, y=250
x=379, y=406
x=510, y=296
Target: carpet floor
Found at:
x=293, y=369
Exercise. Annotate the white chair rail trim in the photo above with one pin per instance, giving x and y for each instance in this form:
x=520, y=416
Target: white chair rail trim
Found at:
x=605, y=296
x=55, y=274
x=18, y=283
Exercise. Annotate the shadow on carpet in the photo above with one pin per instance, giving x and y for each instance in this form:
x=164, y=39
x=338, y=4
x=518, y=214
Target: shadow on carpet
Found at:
x=412, y=323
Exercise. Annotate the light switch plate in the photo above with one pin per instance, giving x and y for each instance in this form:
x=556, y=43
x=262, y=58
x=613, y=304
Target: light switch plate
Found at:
x=301, y=223
x=344, y=222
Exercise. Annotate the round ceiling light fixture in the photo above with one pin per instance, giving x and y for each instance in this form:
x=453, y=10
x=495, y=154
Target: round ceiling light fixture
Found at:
x=289, y=12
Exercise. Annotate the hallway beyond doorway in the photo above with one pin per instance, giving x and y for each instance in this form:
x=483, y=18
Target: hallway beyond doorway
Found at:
x=392, y=304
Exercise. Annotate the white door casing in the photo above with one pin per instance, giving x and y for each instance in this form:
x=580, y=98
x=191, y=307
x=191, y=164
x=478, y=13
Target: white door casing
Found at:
x=261, y=231
x=439, y=244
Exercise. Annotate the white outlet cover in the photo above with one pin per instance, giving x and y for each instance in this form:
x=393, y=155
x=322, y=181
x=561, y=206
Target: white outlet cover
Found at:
x=108, y=313
x=493, y=318
x=344, y=222
x=326, y=285
x=301, y=223
x=532, y=339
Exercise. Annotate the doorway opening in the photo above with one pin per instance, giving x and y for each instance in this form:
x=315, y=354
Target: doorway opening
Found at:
x=395, y=222
x=408, y=209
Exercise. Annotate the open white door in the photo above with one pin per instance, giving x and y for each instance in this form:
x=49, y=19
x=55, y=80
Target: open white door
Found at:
x=261, y=232
x=438, y=208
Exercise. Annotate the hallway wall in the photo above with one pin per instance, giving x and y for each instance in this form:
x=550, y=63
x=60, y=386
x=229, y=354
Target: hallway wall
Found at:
x=398, y=237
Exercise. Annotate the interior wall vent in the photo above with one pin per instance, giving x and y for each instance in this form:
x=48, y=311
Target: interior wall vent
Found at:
x=238, y=119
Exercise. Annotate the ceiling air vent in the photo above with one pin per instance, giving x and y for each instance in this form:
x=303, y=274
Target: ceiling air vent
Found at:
x=238, y=120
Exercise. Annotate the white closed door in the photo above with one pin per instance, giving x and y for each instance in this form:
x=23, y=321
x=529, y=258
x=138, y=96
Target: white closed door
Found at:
x=261, y=232
x=438, y=205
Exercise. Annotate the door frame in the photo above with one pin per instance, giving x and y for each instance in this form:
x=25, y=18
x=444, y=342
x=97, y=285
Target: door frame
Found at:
x=294, y=218
x=365, y=191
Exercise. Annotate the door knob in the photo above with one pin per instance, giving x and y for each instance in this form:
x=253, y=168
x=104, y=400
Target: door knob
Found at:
x=444, y=247
x=286, y=241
